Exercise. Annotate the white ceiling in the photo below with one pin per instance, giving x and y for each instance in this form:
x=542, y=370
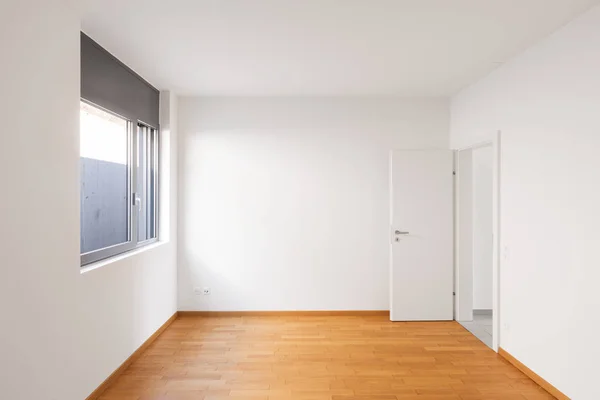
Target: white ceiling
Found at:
x=320, y=47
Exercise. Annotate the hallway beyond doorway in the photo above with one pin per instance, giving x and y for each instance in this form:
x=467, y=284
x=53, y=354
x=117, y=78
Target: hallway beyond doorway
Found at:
x=481, y=326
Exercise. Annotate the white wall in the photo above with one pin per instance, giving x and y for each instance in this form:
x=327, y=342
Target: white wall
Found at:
x=63, y=332
x=482, y=228
x=284, y=202
x=546, y=103
x=463, y=273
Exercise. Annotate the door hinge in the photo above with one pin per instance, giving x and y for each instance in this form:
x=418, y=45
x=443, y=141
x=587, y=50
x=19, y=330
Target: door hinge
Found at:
x=453, y=172
x=453, y=293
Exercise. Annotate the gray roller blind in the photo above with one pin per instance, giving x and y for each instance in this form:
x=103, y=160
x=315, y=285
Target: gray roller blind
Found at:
x=109, y=83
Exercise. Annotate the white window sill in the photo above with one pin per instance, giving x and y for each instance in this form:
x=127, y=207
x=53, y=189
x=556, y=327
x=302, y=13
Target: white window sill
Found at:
x=119, y=257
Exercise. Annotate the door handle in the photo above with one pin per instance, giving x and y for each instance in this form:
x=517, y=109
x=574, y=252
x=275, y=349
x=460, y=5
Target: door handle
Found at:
x=137, y=201
x=401, y=233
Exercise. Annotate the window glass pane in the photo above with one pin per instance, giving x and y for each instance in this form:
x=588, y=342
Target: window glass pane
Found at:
x=146, y=182
x=104, y=179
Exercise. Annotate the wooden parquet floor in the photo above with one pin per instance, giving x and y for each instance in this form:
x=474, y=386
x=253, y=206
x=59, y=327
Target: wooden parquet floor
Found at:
x=319, y=358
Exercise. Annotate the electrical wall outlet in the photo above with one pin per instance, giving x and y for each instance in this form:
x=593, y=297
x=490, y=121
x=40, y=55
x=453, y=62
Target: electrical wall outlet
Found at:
x=204, y=291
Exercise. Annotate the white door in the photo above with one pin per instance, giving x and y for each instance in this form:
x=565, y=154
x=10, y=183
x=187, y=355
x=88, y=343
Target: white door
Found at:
x=421, y=235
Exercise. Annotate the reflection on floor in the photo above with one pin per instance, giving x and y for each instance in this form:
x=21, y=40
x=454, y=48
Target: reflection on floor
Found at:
x=481, y=326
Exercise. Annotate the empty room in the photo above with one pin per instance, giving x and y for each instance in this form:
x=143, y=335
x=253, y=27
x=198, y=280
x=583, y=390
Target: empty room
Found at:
x=299, y=199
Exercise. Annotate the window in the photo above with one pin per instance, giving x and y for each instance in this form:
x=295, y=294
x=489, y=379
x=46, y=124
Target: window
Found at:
x=118, y=156
x=119, y=182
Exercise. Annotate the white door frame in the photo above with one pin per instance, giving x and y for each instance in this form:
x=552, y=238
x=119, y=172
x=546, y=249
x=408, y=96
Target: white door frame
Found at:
x=495, y=143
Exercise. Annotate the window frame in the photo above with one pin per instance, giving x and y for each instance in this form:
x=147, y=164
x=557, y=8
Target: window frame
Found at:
x=133, y=211
x=155, y=195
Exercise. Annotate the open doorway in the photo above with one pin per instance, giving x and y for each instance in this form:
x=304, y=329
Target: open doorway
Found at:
x=475, y=251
